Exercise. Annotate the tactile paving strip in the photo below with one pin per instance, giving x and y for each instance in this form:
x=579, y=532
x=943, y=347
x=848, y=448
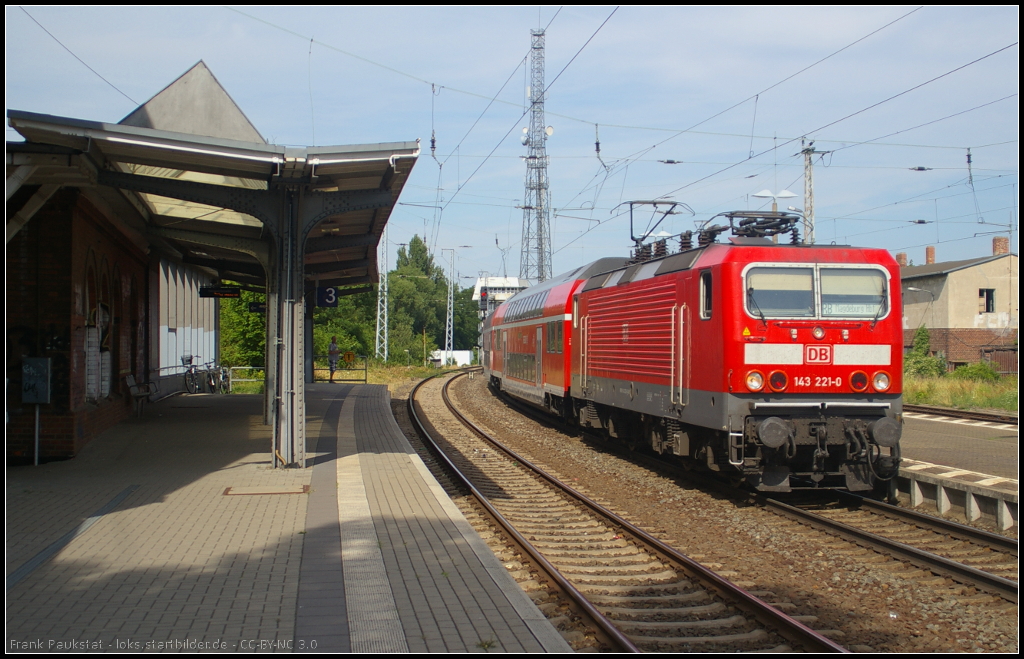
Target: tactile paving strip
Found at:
x=375, y=625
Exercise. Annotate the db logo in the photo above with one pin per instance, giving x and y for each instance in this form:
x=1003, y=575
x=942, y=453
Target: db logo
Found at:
x=817, y=354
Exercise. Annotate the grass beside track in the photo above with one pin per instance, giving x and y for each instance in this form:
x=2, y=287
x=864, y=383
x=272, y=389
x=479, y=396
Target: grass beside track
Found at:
x=962, y=394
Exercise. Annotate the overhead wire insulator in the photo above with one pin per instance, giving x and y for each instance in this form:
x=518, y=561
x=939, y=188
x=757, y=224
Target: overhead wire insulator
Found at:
x=597, y=147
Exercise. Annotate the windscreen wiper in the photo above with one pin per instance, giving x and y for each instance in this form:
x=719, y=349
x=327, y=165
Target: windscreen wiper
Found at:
x=881, y=308
x=753, y=303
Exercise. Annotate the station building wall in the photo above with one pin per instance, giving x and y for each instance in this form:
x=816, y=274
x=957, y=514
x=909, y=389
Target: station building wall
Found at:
x=82, y=294
x=185, y=323
x=76, y=293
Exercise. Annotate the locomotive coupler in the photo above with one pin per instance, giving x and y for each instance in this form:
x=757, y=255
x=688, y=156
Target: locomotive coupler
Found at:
x=821, y=452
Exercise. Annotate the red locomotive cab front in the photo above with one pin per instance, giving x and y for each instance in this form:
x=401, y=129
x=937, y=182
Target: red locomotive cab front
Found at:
x=818, y=360
x=820, y=328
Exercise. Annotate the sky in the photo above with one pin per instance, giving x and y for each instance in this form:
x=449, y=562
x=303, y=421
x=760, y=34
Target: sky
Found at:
x=896, y=96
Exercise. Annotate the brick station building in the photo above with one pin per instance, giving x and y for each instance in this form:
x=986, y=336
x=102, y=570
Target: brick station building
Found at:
x=90, y=290
x=970, y=307
x=113, y=230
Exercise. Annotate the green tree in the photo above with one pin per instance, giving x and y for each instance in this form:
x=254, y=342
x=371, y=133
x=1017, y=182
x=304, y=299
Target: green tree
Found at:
x=243, y=335
x=418, y=302
x=418, y=292
x=418, y=258
x=922, y=342
x=353, y=321
x=466, y=332
x=918, y=362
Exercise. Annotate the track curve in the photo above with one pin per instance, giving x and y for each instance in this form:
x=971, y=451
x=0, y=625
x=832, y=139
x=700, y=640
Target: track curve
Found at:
x=656, y=597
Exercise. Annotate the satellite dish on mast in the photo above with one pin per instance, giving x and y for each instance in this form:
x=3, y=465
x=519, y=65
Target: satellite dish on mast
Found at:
x=549, y=130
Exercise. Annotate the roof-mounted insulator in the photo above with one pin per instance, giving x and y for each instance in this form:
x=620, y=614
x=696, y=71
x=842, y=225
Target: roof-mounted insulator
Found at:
x=685, y=241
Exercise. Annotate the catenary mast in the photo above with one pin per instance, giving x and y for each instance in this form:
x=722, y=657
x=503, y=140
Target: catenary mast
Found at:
x=381, y=351
x=535, y=262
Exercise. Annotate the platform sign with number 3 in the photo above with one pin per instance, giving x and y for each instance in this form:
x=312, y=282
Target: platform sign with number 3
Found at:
x=326, y=296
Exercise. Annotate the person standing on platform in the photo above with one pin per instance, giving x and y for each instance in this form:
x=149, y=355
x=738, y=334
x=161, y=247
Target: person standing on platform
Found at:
x=332, y=356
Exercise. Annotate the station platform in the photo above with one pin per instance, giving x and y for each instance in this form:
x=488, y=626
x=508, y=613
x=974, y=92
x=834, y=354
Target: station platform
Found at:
x=965, y=469
x=172, y=532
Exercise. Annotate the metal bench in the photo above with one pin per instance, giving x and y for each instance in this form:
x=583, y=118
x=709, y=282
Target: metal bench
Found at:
x=140, y=392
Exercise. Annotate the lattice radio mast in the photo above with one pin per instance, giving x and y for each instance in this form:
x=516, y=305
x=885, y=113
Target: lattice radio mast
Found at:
x=535, y=262
x=381, y=351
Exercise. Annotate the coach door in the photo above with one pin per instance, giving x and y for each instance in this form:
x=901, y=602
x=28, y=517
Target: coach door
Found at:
x=540, y=355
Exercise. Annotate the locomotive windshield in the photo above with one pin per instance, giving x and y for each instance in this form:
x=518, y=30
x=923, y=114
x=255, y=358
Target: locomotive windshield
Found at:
x=798, y=292
x=852, y=293
x=781, y=292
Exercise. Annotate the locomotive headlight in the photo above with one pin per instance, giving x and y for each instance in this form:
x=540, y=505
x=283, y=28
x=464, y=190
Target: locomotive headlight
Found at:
x=859, y=381
x=880, y=381
x=755, y=381
x=778, y=381
x=818, y=333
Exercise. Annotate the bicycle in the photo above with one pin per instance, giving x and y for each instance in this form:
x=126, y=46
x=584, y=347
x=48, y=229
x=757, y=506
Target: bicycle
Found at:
x=211, y=377
x=225, y=380
x=192, y=381
x=218, y=379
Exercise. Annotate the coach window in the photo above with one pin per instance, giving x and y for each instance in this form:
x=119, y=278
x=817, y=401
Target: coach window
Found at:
x=705, y=294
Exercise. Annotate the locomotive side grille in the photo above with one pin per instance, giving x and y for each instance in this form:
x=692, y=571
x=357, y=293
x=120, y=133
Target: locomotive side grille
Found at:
x=631, y=331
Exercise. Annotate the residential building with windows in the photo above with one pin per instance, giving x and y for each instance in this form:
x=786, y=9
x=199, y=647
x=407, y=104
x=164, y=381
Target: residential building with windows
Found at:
x=970, y=307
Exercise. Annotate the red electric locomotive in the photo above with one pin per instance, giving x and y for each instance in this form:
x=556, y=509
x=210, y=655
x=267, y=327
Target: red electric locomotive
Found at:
x=777, y=363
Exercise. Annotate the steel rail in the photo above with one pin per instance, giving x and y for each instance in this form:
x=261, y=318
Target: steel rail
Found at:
x=784, y=625
x=962, y=531
x=613, y=636
x=926, y=560
x=991, y=417
x=957, y=571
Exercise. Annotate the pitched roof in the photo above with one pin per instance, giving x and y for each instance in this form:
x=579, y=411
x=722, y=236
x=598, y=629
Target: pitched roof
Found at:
x=196, y=104
x=933, y=269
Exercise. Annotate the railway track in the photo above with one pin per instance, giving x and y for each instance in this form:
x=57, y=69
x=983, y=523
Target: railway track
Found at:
x=961, y=553
x=991, y=417
x=633, y=590
x=967, y=555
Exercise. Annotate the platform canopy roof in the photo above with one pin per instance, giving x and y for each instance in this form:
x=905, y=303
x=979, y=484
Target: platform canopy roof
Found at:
x=191, y=143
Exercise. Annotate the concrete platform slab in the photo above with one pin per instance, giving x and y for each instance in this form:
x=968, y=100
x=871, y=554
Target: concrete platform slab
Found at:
x=134, y=544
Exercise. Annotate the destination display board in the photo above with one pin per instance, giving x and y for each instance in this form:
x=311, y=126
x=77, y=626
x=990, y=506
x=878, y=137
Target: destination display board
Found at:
x=220, y=291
